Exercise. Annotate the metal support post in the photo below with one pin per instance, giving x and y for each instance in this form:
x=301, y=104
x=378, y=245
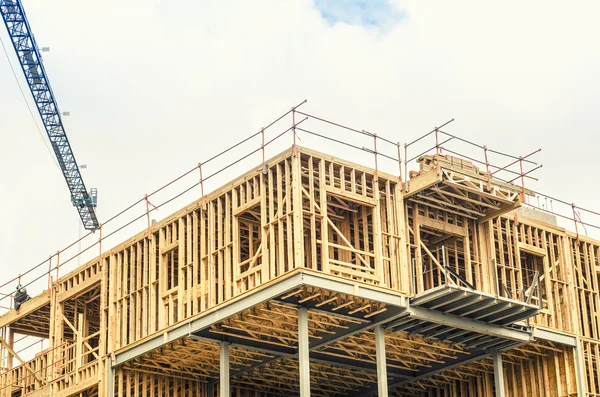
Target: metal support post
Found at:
x=111, y=378
x=382, y=381
x=224, y=366
x=498, y=375
x=303, y=359
x=579, y=370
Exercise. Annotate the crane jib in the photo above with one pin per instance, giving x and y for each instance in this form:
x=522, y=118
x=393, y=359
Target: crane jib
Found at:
x=32, y=66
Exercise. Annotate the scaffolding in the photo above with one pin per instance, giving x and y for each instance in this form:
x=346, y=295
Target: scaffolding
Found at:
x=313, y=275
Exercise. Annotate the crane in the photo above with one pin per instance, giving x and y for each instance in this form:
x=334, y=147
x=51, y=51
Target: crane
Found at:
x=32, y=66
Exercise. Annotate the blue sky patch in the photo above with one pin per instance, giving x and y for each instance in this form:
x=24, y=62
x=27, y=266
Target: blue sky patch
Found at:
x=367, y=13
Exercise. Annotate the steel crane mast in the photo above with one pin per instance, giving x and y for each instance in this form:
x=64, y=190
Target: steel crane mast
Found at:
x=32, y=66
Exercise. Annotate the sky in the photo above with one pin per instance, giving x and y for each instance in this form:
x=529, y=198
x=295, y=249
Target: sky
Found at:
x=155, y=87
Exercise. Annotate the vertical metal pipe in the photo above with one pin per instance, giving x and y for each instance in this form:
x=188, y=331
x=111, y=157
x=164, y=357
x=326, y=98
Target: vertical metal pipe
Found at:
x=574, y=220
x=57, y=264
x=444, y=264
x=522, y=180
x=437, y=153
x=148, y=214
x=294, y=127
x=203, y=200
x=406, y=166
x=303, y=358
x=262, y=146
x=224, y=370
x=382, y=381
x=399, y=163
x=375, y=153
x=498, y=375
x=487, y=169
x=50, y=275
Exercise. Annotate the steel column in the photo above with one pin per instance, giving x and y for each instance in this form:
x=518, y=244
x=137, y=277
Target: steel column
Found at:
x=110, y=379
x=498, y=374
x=579, y=370
x=303, y=348
x=382, y=381
x=224, y=373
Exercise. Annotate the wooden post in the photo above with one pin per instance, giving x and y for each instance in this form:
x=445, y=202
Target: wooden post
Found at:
x=377, y=241
x=419, y=256
x=79, y=347
x=324, y=218
x=298, y=211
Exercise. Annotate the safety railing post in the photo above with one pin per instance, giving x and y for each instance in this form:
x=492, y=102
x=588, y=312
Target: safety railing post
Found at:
x=487, y=168
x=148, y=214
x=202, y=198
x=438, y=167
x=375, y=154
x=100, y=242
x=522, y=180
x=262, y=146
x=399, y=163
x=575, y=221
x=57, y=267
x=406, y=167
x=50, y=275
x=294, y=148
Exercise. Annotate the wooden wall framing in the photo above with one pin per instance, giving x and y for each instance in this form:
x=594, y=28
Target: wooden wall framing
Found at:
x=304, y=209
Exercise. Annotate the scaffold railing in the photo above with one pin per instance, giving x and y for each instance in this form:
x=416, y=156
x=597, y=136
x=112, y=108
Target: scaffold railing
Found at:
x=387, y=155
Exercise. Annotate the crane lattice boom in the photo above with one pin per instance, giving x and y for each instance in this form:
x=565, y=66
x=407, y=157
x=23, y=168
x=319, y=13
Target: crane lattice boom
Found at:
x=29, y=57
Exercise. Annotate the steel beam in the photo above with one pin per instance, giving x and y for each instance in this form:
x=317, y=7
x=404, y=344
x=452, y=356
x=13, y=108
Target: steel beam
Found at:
x=303, y=358
x=466, y=323
x=431, y=295
x=224, y=370
x=382, y=381
x=237, y=305
x=554, y=336
x=458, y=360
x=349, y=363
x=209, y=318
x=498, y=375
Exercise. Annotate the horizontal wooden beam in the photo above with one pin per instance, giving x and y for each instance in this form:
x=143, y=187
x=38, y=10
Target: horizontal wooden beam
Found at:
x=444, y=227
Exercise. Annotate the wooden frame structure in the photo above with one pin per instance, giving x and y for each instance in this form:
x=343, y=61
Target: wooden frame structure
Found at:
x=313, y=272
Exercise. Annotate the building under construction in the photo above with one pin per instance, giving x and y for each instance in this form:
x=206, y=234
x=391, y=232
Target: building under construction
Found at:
x=313, y=275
